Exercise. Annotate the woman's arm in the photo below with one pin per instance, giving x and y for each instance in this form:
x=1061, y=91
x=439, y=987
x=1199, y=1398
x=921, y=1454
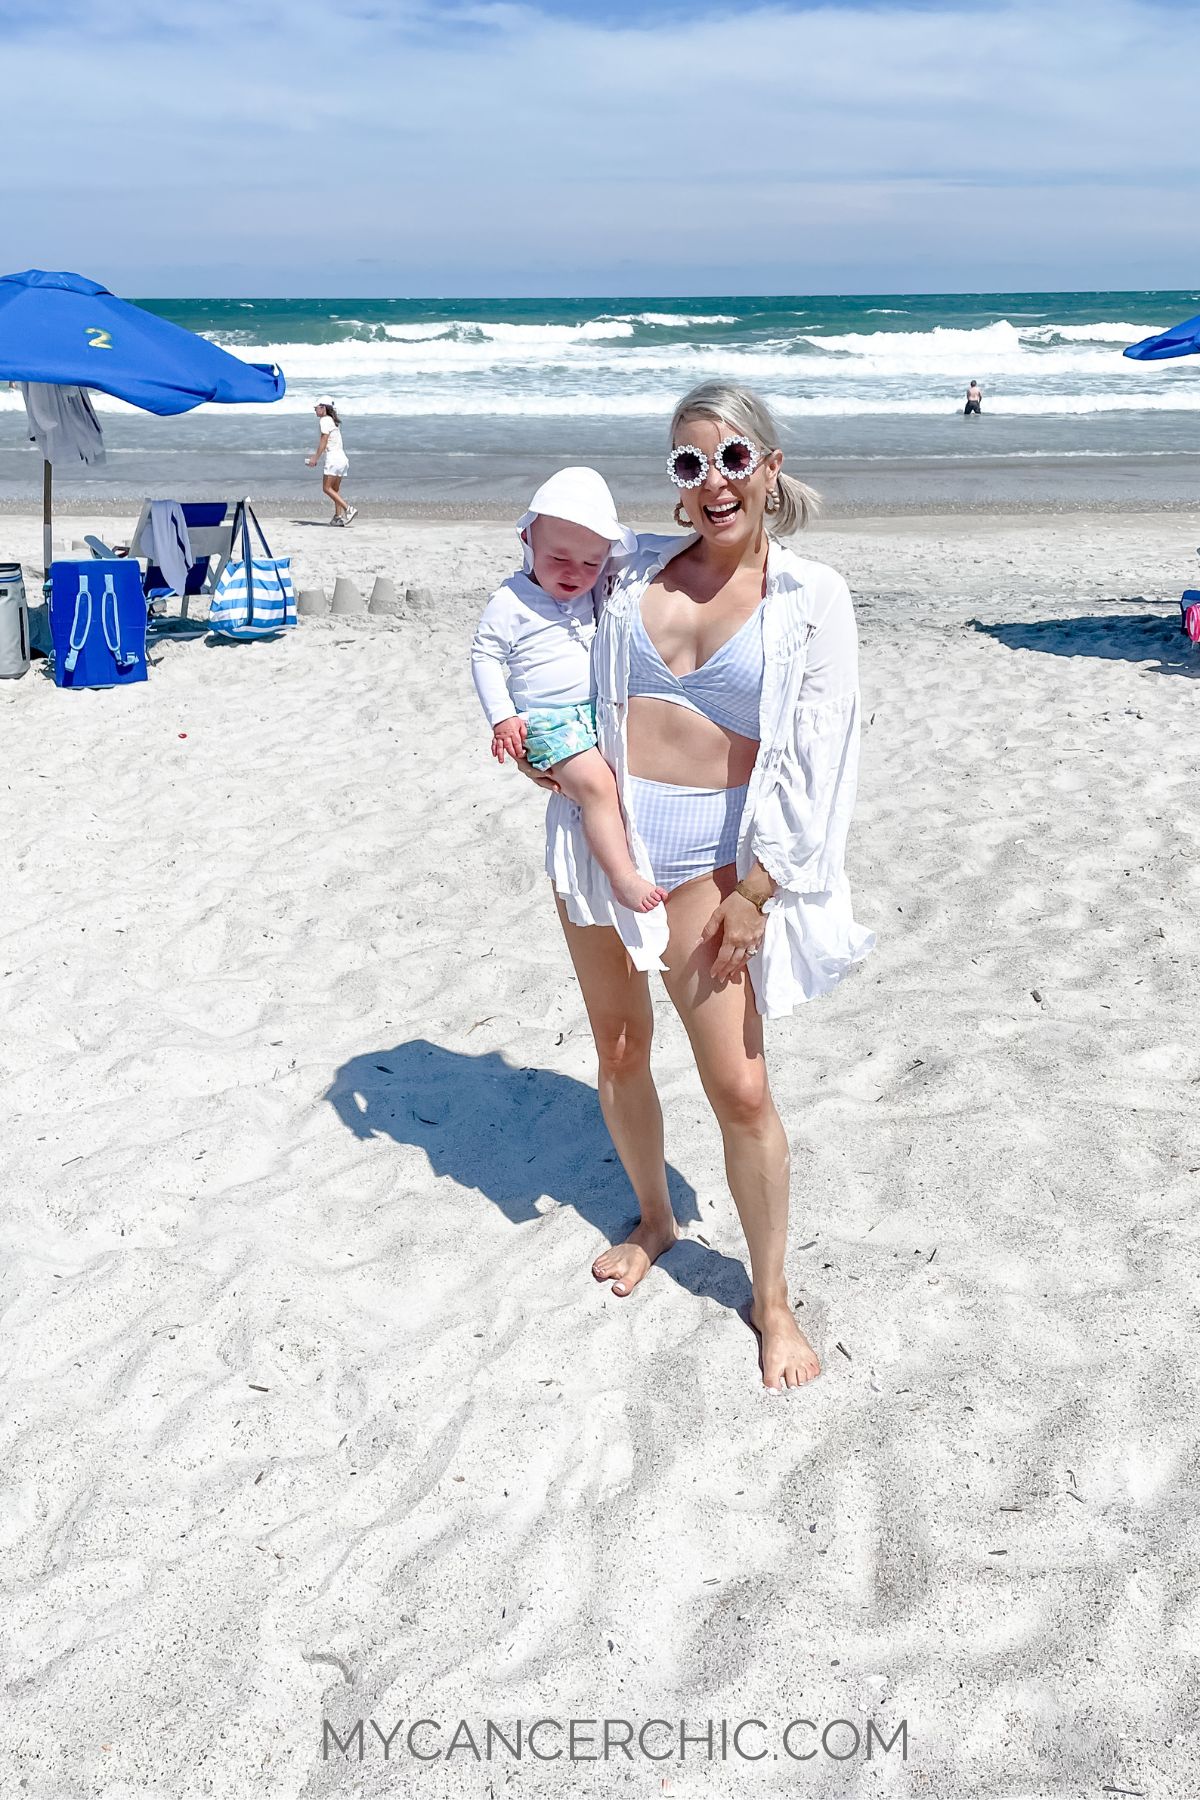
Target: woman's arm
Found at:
x=756, y=886
x=319, y=452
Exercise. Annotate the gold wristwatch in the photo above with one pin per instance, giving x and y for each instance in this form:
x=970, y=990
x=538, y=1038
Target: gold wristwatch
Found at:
x=757, y=904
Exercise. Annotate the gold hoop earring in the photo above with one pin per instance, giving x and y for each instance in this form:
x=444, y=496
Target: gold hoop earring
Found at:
x=679, y=516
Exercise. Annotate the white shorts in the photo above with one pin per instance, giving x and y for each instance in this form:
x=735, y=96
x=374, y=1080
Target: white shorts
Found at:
x=337, y=468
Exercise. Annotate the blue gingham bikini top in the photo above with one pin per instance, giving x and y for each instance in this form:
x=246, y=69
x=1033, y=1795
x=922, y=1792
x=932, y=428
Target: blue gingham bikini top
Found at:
x=726, y=689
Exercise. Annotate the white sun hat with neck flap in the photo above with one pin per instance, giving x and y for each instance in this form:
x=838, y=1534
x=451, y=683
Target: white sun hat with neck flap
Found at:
x=581, y=497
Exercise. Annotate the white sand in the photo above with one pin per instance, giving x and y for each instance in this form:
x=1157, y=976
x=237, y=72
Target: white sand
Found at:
x=311, y=1407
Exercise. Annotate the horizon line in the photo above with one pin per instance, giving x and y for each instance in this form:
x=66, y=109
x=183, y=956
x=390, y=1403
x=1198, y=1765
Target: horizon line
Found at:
x=728, y=294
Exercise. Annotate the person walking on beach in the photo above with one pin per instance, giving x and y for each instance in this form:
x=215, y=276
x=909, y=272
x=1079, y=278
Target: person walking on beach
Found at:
x=974, y=405
x=337, y=463
x=726, y=676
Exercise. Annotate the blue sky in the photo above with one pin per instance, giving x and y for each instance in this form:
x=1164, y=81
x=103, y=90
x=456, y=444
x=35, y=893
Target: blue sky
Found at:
x=482, y=147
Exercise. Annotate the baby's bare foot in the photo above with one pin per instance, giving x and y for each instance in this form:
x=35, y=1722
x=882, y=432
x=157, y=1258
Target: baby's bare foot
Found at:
x=638, y=894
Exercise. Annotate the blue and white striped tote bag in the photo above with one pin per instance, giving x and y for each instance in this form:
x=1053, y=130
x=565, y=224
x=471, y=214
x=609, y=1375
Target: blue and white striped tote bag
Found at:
x=254, y=596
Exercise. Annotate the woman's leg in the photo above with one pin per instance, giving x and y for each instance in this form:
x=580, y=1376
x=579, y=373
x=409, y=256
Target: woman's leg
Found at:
x=587, y=779
x=725, y=1030
x=332, y=485
x=617, y=998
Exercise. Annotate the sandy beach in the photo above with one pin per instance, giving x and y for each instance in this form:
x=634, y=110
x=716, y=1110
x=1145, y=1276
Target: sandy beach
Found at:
x=313, y=1411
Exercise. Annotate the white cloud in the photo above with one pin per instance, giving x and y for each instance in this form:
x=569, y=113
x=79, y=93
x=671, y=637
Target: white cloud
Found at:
x=495, y=148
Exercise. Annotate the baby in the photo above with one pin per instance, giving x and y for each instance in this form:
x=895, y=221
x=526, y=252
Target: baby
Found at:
x=531, y=660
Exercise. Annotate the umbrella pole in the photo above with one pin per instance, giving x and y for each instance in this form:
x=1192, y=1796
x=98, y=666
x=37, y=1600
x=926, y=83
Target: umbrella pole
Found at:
x=47, y=509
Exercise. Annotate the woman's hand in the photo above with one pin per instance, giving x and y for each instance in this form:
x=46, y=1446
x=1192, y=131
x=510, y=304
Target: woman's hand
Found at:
x=738, y=928
x=539, y=777
x=311, y=461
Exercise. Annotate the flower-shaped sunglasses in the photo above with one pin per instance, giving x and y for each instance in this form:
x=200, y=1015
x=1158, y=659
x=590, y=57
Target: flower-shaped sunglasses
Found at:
x=735, y=457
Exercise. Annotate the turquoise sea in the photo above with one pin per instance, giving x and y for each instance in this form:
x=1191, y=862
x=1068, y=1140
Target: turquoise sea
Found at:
x=459, y=402
x=882, y=355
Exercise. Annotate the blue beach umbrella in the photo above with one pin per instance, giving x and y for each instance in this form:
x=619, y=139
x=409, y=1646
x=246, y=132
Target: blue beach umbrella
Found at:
x=67, y=331
x=1181, y=340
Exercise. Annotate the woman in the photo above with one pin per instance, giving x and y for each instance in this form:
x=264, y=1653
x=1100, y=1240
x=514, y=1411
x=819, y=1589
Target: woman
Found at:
x=727, y=705
x=337, y=463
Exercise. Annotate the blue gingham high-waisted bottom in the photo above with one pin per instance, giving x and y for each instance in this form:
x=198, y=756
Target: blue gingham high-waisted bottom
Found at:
x=687, y=831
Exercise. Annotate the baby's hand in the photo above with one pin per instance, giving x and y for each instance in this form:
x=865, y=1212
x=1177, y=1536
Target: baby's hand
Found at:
x=509, y=734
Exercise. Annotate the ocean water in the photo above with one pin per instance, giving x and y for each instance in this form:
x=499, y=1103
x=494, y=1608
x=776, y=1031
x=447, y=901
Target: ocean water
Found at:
x=889, y=356
x=459, y=402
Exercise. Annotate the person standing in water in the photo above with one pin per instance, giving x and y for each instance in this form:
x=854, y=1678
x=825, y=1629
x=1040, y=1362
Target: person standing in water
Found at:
x=337, y=463
x=974, y=405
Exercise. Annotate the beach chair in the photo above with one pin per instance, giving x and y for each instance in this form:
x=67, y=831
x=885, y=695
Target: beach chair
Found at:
x=210, y=534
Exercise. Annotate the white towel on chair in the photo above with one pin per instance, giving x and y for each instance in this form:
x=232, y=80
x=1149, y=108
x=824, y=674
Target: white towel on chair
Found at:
x=170, y=544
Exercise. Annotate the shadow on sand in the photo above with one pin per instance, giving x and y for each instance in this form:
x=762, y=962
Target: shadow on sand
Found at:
x=1142, y=638
x=514, y=1134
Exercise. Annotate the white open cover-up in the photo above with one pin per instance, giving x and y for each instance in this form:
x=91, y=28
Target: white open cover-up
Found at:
x=800, y=798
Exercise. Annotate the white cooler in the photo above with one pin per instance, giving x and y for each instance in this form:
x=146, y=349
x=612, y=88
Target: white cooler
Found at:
x=14, y=623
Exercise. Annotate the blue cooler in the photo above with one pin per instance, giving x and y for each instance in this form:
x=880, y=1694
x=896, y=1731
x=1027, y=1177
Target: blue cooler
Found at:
x=98, y=623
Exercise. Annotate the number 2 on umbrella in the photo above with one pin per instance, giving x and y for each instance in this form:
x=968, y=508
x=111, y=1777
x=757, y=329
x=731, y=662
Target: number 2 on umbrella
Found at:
x=98, y=339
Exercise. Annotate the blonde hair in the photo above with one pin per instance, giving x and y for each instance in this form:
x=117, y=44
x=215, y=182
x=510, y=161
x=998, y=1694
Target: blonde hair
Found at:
x=726, y=404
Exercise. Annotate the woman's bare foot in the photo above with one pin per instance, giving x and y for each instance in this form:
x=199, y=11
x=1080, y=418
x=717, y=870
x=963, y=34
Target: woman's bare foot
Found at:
x=788, y=1359
x=638, y=894
x=625, y=1264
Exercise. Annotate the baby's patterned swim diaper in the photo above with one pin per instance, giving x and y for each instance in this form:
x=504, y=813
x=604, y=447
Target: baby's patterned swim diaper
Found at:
x=556, y=732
